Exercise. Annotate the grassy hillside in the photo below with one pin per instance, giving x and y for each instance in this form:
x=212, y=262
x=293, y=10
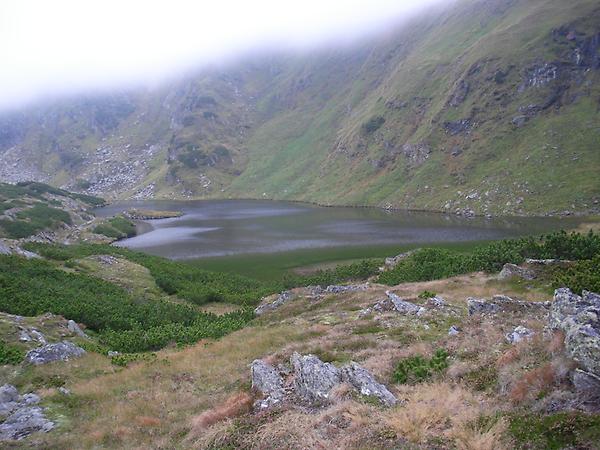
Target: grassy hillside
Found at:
x=485, y=105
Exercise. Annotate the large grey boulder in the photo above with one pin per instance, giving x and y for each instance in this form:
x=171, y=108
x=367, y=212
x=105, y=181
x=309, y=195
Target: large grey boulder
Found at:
x=21, y=415
x=314, y=379
x=61, y=351
x=362, y=380
x=267, y=380
x=23, y=422
x=587, y=384
x=512, y=270
x=579, y=317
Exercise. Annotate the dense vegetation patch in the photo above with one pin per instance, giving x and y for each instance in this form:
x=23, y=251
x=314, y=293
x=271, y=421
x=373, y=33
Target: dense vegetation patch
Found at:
x=37, y=190
x=10, y=354
x=372, y=125
x=416, y=369
x=29, y=221
x=117, y=227
x=33, y=287
x=434, y=263
x=583, y=275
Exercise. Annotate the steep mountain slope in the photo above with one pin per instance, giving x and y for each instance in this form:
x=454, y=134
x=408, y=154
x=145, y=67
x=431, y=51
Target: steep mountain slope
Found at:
x=484, y=105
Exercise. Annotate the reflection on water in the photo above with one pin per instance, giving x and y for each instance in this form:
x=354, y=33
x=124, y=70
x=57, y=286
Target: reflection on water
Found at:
x=227, y=227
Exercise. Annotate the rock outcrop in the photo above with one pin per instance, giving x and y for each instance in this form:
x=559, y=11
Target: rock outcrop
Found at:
x=314, y=379
x=61, y=351
x=311, y=381
x=21, y=415
x=505, y=304
x=267, y=380
x=579, y=317
x=512, y=270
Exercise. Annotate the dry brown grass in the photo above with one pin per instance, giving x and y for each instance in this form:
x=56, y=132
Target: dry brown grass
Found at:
x=234, y=405
x=442, y=410
x=532, y=383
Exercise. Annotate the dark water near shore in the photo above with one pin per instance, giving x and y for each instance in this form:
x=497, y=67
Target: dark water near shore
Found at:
x=211, y=228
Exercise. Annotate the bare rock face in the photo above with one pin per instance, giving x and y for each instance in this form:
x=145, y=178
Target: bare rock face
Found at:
x=314, y=379
x=363, y=381
x=61, y=351
x=567, y=304
x=21, y=415
x=512, y=270
x=481, y=306
x=267, y=380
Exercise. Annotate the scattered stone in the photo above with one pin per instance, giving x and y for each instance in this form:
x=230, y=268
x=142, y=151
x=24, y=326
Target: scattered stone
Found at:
x=74, y=328
x=112, y=353
x=512, y=270
x=64, y=391
x=518, y=334
x=453, y=331
x=61, y=351
x=363, y=381
x=519, y=121
x=547, y=262
x=267, y=380
x=282, y=299
x=314, y=379
x=503, y=303
x=38, y=336
x=436, y=302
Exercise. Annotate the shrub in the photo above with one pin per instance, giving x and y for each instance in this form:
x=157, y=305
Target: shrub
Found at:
x=373, y=124
x=10, y=354
x=425, y=295
x=583, y=275
x=416, y=369
x=117, y=227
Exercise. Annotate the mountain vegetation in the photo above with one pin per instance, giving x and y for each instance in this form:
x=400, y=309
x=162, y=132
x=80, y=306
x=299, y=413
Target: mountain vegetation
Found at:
x=489, y=106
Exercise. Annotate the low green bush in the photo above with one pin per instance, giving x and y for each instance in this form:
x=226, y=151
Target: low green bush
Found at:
x=434, y=263
x=416, y=369
x=584, y=275
x=10, y=354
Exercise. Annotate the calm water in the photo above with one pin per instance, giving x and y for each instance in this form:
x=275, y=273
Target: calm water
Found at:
x=232, y=227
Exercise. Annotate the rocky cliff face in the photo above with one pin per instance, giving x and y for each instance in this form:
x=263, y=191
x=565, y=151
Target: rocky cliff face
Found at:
x=488, y=106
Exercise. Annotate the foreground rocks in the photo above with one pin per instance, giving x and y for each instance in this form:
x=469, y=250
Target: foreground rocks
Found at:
x=312, y=381
x=393, y=303
x=61, y=351
x=579, y=318
x=20, y=414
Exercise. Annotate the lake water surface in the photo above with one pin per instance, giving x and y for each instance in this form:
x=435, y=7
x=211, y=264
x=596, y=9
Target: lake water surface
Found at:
x=211, y=228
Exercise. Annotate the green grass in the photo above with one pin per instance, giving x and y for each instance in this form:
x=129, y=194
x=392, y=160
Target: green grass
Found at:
x=416, y=369
x=555, y=431
x=116, y=227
